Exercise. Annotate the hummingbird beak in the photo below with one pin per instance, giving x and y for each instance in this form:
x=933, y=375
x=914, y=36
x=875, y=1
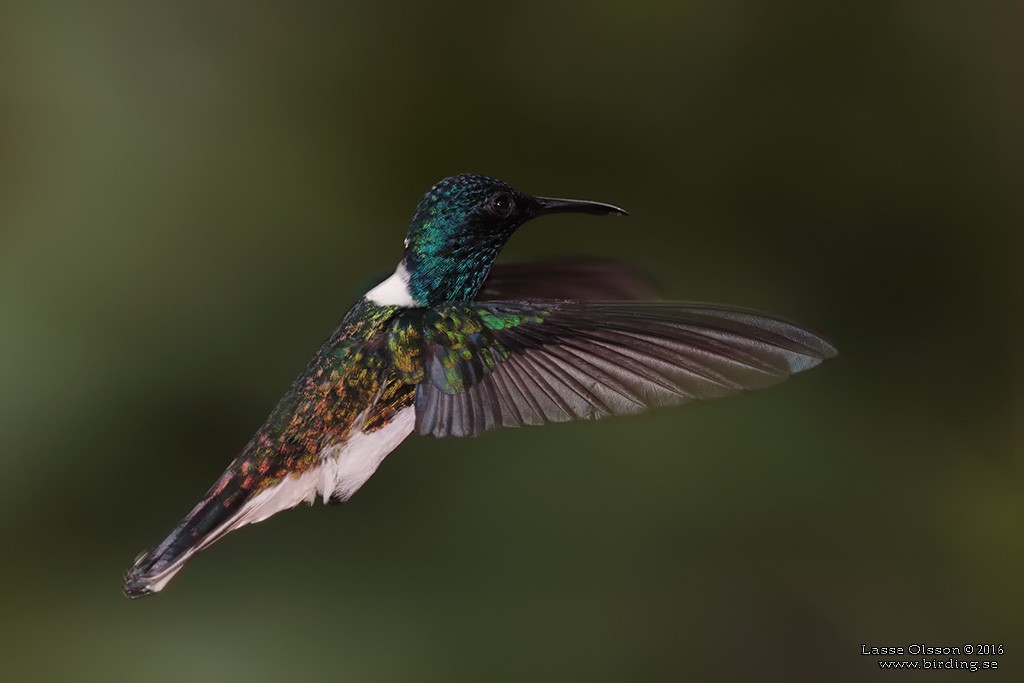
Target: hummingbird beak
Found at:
x=540, y=206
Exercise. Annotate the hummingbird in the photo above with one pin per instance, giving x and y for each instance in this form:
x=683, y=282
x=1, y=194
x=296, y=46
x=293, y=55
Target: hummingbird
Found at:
x=451, y=345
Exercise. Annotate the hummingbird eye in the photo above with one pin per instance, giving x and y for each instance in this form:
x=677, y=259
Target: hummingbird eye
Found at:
x=501, y=205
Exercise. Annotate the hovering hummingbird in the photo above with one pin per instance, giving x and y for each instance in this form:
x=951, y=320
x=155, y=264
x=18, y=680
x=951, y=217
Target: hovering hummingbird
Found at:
x=450, y=345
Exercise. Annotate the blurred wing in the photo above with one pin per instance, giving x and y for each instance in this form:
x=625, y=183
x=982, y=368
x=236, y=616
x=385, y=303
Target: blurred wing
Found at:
x=480, y=366
x=582, y=279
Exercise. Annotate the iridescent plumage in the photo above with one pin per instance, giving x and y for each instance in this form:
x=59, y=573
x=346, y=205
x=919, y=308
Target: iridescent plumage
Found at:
x=448, y=347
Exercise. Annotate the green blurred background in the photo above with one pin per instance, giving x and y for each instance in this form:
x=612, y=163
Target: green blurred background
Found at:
x=191, y=195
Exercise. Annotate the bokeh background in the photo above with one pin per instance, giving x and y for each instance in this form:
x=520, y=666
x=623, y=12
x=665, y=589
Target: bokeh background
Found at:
x=193, y=193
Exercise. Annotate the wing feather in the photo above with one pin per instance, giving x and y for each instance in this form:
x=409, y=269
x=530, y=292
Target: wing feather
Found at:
x=566, y=278
x=508, y=364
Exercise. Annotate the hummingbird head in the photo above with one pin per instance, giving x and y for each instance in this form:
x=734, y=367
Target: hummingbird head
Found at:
x=460, y=226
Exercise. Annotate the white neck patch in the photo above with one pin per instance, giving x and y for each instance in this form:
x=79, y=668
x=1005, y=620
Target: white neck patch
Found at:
x=394, y=291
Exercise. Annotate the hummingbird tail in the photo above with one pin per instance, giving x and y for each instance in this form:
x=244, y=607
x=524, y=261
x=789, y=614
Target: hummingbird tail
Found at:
x=226, y=507
x=210, y=519
x=236, y=499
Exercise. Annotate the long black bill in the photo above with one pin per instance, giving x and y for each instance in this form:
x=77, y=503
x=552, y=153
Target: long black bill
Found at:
x=545, y=205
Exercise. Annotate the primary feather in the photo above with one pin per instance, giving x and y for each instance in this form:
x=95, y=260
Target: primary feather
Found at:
x=483, y=365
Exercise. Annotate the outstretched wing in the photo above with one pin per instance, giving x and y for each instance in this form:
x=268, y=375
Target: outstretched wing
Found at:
x=567, y=278
x=483, y=365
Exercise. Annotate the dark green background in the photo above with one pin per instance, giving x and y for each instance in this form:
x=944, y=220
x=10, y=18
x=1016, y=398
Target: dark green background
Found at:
x=193, y=193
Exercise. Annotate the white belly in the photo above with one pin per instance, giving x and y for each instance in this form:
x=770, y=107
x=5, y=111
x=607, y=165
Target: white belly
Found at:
x=343, y=469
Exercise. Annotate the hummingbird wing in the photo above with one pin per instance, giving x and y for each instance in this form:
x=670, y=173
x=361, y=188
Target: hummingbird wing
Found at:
x=483, y=365
x=567, y=278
